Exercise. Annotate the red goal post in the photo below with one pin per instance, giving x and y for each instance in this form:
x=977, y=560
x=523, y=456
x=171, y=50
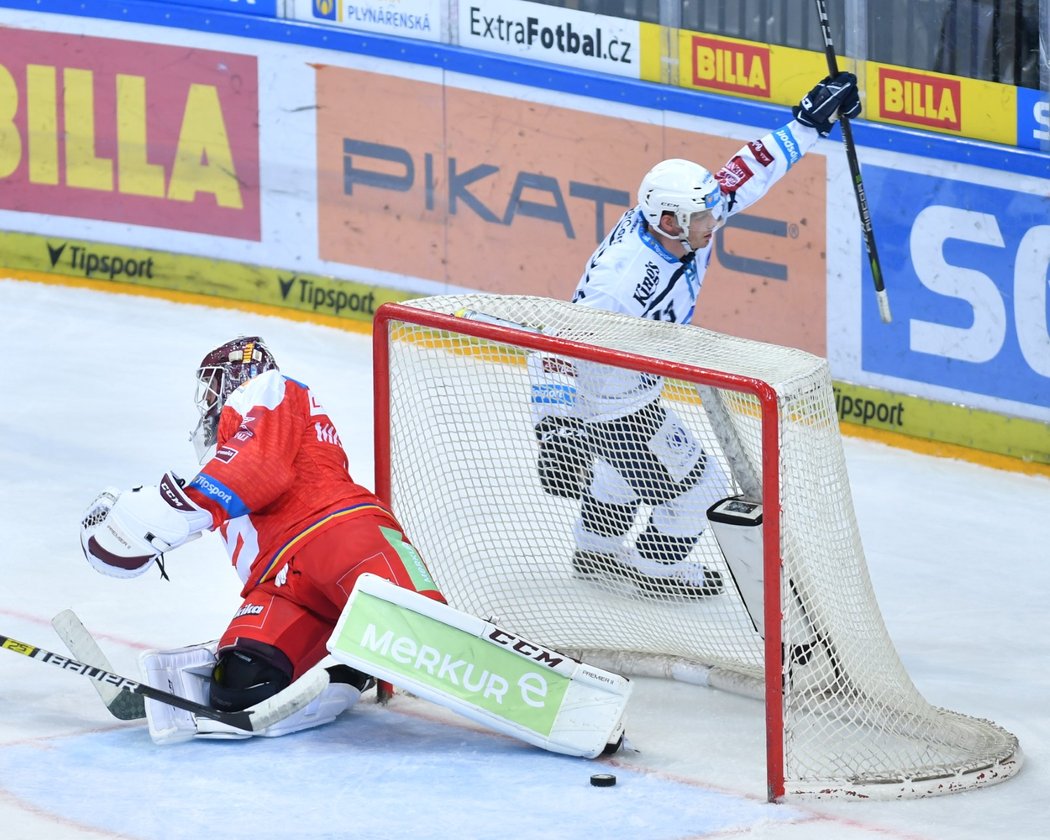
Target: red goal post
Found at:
x=456, y=458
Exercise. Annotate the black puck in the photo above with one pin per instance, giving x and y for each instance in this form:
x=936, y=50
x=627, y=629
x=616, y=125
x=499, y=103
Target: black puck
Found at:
x=603, y=780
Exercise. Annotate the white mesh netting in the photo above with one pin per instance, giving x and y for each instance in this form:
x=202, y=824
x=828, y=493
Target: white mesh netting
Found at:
x=464, y=482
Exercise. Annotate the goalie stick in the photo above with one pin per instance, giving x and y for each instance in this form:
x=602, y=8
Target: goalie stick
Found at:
x=254, y=719
x=123, y=705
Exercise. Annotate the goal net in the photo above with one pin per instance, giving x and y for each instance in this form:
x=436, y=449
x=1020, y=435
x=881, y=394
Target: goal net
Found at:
x=461, y=382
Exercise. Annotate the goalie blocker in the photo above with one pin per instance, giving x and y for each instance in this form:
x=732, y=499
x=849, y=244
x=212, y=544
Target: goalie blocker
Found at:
x=737, y=525
x=474, y=668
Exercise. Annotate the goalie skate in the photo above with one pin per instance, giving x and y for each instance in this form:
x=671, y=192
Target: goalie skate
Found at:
x=689, y=580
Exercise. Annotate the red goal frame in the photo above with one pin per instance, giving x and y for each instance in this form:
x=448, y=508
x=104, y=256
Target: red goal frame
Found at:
x=770, y=436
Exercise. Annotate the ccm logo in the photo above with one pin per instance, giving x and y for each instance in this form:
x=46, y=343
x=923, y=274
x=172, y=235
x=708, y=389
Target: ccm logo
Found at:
x=526, y=648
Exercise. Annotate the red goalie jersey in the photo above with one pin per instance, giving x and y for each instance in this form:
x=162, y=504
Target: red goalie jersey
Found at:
x=279, y=476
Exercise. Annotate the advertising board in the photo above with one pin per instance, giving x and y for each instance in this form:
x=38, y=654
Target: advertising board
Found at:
x=895, y=95
x=1033, y=119
x=337, y=168
x=969, y=264
x=587, y=41
x=419, y=19
x=494, y=192
x=99, y=128
x=323, y=298
x=937, y=102
x=265, y=8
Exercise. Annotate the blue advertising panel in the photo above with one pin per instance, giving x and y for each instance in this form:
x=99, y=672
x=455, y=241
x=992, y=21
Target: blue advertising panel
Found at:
x=265, y=8
x=1033, y=119
x=966, y=266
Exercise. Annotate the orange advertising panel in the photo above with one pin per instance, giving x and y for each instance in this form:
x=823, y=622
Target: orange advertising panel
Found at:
x=502, y=195
x=120, y=131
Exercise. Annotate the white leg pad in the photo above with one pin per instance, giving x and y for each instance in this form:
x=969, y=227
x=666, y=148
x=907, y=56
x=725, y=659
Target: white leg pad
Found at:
x=185, y=672
x=737, y=525
x=488, y=674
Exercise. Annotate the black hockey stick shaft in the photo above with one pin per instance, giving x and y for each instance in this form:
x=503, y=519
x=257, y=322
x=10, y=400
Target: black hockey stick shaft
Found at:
x=239, y=720
x=854, y=169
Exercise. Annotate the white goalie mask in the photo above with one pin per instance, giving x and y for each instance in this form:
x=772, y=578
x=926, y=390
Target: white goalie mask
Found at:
x=683, y=188
x=221, y=372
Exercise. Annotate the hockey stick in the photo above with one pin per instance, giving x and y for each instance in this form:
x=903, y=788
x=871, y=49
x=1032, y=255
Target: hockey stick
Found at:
x=854, y=168
x=255, y=719
x=122, y=705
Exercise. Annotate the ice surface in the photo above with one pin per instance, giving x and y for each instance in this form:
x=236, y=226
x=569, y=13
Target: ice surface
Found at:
x=97, y=390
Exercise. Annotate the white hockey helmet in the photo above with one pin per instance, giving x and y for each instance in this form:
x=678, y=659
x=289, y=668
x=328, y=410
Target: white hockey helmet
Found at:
x=683, y=188
x=220, y=373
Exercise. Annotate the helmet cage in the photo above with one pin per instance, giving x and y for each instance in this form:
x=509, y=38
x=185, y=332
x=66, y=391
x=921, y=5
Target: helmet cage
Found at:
x=221, y=372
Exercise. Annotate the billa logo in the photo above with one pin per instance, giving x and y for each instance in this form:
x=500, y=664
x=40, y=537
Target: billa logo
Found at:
x=731, y=67
x=917, y=99
x=124, y=132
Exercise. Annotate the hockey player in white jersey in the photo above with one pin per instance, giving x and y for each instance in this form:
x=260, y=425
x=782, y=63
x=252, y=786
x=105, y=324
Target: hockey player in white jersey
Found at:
x=636, y=450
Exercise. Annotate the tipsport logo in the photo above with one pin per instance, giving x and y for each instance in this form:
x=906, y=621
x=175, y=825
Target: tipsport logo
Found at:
x=331, y=299
x=89, y=263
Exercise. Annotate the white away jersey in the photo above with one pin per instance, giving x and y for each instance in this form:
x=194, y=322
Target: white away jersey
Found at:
x=632, y=273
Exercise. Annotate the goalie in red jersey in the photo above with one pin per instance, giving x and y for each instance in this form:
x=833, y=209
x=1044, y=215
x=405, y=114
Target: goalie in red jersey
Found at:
x=299, y=530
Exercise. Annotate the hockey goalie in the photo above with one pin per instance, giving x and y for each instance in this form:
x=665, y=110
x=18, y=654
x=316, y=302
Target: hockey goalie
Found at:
x=330, y=582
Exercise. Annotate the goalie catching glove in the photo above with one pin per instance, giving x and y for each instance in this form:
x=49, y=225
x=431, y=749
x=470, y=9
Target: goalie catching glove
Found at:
x=832, y=98
x=123, y=533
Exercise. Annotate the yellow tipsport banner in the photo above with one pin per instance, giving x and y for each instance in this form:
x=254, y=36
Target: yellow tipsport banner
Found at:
x=782, y=75
x=105, y=263
x=930, y=420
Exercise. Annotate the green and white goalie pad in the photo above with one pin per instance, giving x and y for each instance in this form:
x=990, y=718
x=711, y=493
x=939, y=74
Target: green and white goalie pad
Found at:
x=474, y=668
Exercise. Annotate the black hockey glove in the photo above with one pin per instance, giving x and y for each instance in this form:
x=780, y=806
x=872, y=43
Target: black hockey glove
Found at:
x=565, y=461
x=828, y=101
